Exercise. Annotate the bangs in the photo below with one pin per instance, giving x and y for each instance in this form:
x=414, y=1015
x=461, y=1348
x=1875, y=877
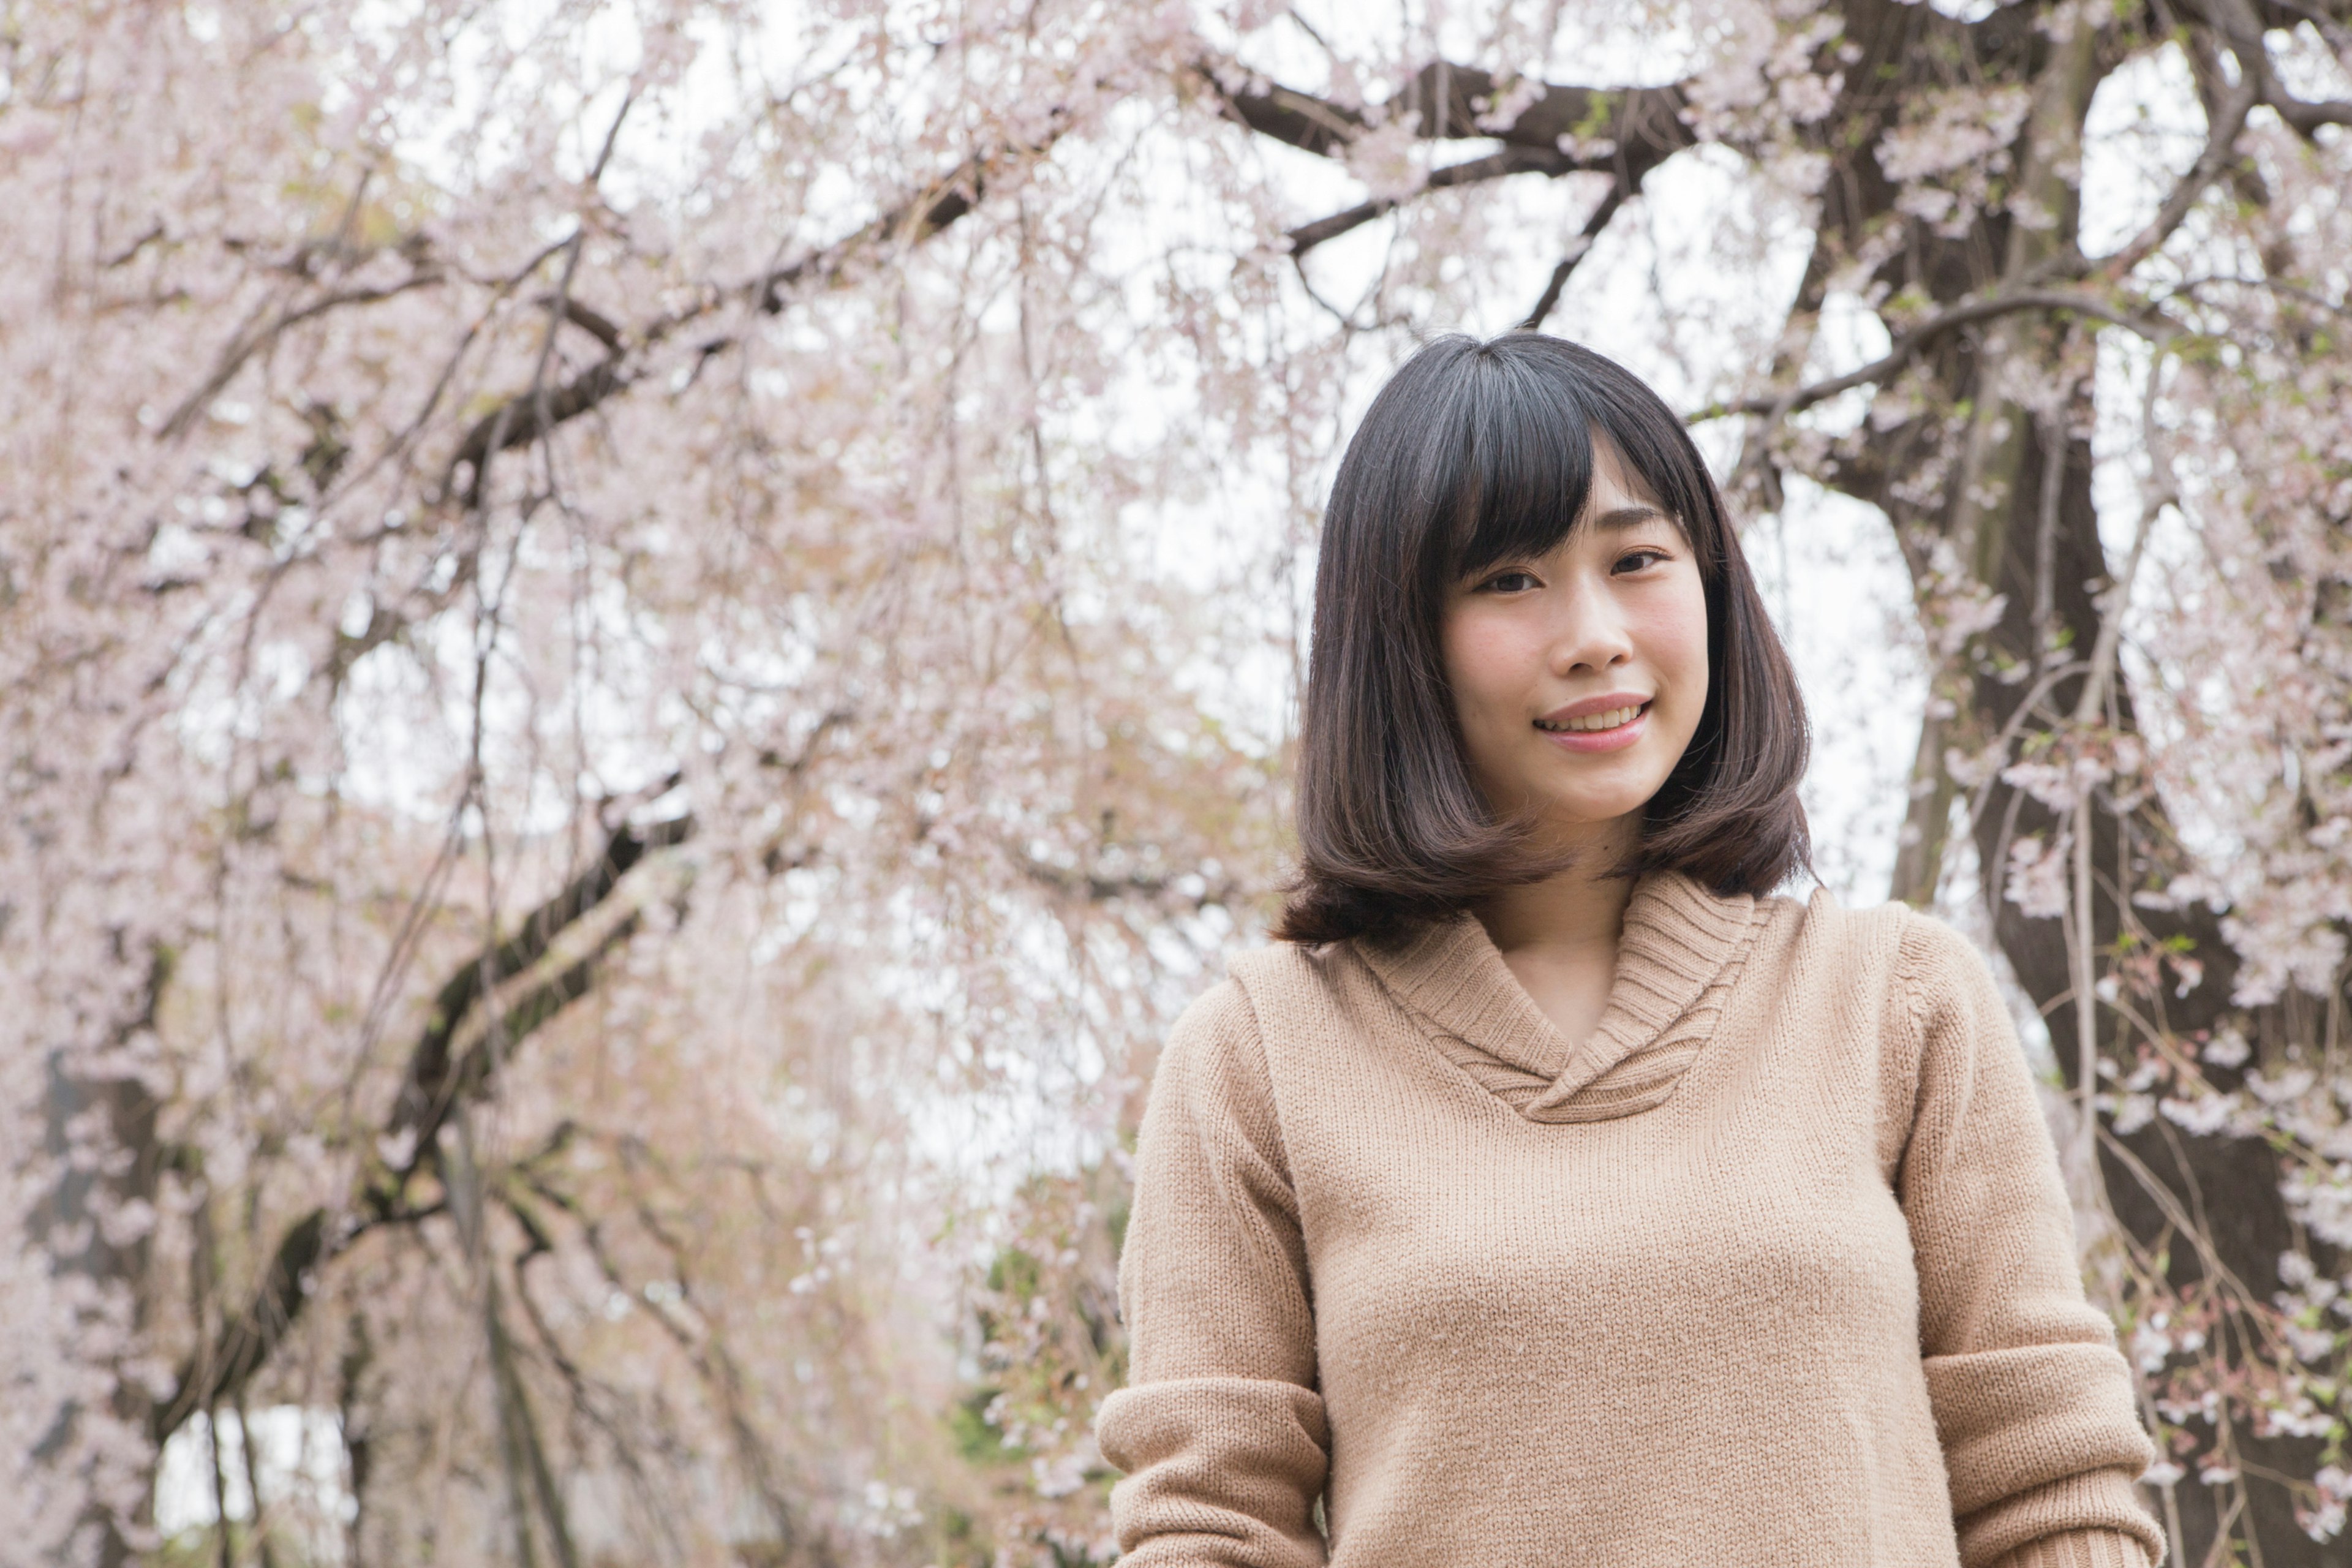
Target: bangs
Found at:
x=1509, y=467
x=1521, y=449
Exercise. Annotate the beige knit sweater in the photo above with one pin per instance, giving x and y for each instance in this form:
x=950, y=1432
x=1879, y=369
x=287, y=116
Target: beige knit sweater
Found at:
x=1774, y=1268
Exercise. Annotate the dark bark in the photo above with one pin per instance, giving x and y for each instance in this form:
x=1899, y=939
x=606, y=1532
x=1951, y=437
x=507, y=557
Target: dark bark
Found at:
x=433, y=1079
x=2230, y=1185
x=1623, y=133
x=100, y=1127
x=437, y=1080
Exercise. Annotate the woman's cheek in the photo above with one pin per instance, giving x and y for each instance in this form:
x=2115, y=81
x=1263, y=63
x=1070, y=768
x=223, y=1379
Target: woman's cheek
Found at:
x=1675, y=644
x=1488, y=668
x=1487, y=659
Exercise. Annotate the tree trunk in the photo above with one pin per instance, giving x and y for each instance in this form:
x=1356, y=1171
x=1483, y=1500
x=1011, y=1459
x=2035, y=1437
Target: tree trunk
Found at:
x=2229, y=1185
x=100, y=1127
x=2030, y=533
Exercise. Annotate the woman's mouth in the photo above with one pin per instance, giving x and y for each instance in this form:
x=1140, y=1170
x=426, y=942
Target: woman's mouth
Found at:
x=1611, y=730
x=1607, y=719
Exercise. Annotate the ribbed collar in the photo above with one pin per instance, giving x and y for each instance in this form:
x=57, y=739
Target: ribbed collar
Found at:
x=1678, y=939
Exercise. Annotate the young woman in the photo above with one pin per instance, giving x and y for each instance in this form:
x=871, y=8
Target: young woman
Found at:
x=1556, y=1194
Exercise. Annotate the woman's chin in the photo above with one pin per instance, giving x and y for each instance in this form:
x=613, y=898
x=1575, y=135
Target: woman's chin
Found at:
x=1590, y=803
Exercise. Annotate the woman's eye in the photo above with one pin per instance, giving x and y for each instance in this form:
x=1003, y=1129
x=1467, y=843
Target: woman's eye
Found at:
x=1511, y=583
x=1635, y=560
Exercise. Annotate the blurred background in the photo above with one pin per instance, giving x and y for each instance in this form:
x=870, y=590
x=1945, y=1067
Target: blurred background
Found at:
x=646, y=645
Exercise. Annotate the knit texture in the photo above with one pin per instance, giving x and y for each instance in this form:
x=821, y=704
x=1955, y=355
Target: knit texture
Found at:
x=2079, y=1549
x=1773, y=1268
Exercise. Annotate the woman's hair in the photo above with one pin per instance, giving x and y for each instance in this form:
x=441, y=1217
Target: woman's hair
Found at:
x=1475, y=454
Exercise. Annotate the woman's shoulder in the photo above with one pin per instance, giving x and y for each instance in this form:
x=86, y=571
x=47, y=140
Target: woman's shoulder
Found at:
x=1279, y=968
x=1231, y=1040
x=1276, y=991
x=1229, y=1007
x=1266, y=983
x=1907, y=951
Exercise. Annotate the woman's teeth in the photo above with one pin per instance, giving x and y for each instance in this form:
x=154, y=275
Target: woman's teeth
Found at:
x=1609, y=720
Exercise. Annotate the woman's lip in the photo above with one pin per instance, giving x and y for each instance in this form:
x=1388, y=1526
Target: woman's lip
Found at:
x=1585, y=707
x=1616, y=739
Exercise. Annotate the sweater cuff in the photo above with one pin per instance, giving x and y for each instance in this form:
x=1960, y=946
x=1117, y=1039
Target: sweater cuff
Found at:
x=2098, y=1512
x=2081, y=1549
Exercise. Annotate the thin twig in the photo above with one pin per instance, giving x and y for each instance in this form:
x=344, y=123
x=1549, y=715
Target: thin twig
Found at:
x=1912, y=340
x=2220, y=146
x=1613, y=198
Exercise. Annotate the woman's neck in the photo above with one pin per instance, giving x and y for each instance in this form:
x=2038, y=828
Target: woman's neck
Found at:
x=1558, y=936
x=1581, y=907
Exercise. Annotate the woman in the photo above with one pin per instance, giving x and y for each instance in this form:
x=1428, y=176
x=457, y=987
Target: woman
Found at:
x=1555, y=1193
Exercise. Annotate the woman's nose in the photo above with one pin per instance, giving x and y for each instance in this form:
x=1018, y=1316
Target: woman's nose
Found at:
x=1591, y=632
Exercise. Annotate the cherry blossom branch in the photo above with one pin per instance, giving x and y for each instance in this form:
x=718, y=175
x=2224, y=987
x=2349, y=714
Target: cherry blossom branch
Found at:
x=2220, y=147
x=432, y=1079
x=559, y=307
x=1558, y=130
x=527, y=415
x=437, y=1077
x=2307, y=115
x=2239, y=22
x=1578, y=249
x=2187, y=289
x=1908, y=343
x=221, y=1369
x=436, y=1081
x=536, y=398
x=1471, y=172
x=1298, y=120
x=1449, y=101
x=698, y=1339
x=586, y=1392
x=1627, y=133
x=260, y=338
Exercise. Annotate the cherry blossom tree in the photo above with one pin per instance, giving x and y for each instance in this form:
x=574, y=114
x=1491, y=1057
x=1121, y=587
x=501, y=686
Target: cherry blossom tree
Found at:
x=645, y=645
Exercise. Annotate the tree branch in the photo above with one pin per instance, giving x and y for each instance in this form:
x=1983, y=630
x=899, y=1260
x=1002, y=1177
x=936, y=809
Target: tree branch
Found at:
x=431, y=1081
x=1472, y=172
x=527, y=415
x=431, y=1086
x=2220, y=147
x=2308, y=115
x=1593, y=224
x=1451, y=102
x=1560, y=130
x=1909, y=342
x=2242, y=24
x=245, y=1341
x=1295, y=119
x=245, y=344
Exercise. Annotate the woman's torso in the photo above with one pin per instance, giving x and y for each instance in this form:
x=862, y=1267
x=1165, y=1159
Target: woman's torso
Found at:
x=1676, y=1319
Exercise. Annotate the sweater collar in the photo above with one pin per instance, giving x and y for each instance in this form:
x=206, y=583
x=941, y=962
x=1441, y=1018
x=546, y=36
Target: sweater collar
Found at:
x=1677, y=940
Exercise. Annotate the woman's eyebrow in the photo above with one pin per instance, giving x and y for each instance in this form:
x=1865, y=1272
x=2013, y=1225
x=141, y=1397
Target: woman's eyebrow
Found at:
x=1631, y=517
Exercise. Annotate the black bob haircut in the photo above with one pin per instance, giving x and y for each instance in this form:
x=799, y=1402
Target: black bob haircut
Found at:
x=1473, y=455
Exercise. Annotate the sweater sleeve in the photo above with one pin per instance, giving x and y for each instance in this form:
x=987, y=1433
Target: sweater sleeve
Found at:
x=1220, y=1430
x=2032, y=1402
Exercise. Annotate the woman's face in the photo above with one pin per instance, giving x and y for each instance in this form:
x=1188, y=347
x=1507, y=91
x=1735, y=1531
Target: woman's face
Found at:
x=1578, y=675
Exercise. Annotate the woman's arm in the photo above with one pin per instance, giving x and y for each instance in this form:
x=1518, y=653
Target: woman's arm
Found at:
x=2032, y=1401
x=1220, y=1429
